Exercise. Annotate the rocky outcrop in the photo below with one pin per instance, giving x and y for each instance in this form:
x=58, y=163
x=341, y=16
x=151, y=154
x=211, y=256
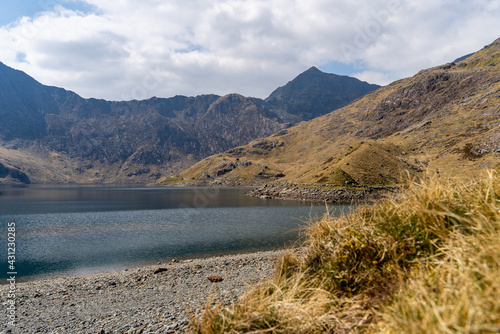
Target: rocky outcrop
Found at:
x=13, y=175
x=227, y=167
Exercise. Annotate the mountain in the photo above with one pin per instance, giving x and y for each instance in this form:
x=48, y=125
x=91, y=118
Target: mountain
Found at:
x=23, y=104
x=445, y=120
x=49, y=134
x=463, y=58
x=294, y=96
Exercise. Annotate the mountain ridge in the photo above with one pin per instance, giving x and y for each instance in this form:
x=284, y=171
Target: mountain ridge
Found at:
x=54, y=135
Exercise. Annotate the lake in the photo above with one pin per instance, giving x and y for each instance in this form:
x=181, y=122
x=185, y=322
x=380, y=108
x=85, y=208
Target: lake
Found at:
x=78, y=229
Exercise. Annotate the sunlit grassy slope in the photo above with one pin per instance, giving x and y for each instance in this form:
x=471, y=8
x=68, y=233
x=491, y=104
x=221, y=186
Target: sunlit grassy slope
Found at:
x=427, y=261
x=443, y=119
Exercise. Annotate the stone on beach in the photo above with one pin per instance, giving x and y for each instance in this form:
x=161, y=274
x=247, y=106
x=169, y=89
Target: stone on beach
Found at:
x=215, y=279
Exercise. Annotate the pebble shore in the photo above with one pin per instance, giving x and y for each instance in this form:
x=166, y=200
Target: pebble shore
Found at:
x=153, y=299
x=322, y=192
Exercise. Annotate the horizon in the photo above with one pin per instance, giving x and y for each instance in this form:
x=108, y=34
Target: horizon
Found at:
x=173, y=96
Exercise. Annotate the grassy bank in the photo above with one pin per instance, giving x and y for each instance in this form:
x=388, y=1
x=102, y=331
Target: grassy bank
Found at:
x=426, y=262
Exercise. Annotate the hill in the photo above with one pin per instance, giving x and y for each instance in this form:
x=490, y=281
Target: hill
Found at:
x=444, y=119
x=49, y=134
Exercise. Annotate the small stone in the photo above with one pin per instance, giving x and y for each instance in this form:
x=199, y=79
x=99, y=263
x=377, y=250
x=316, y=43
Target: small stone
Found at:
x=160, y=270
x=215, y=279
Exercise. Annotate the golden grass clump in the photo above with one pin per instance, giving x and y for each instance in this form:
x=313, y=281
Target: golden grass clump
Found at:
x=459, y=295
x=427, y=261
x=460, y=291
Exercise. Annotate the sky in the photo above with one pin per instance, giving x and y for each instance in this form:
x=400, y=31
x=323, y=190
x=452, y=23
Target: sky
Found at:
x=126, y=49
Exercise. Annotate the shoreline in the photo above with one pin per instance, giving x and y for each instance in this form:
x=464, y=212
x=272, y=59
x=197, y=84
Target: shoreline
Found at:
x=149, y=299
x=310, y=192
x=303, y=192
x=108, y=269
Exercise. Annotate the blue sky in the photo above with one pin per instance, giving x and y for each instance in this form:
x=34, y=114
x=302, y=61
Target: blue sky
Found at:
x=132, y=49
x=12, y=10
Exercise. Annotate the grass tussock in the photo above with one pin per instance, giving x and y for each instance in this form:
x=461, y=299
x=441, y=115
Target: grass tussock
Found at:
x=426, y=262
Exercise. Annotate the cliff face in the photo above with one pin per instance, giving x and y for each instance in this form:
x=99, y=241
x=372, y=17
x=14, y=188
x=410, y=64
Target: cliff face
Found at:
x=445, y=120
x=54, y=135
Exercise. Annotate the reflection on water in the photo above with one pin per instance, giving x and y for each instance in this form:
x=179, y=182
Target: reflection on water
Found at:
x=81, y=228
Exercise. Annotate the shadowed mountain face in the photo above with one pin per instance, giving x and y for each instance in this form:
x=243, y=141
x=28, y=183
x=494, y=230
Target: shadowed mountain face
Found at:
x=23, y=105
x=445, y=120
x=295, y=97
x=54, y=135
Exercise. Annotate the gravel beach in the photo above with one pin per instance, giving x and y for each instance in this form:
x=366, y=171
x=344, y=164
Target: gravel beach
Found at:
x=152, y=299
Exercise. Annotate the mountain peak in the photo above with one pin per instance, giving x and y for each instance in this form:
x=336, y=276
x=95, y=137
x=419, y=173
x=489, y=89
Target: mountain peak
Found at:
x=330, y=92
x=313, y=69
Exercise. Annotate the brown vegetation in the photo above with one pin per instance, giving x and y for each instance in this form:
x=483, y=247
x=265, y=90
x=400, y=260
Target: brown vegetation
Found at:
x=427, y=262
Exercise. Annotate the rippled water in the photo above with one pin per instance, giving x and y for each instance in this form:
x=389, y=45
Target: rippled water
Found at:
x=79, y=229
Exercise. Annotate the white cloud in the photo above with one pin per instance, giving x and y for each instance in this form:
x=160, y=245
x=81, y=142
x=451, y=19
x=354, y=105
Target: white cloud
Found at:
x=131, y=49
x=382, y=78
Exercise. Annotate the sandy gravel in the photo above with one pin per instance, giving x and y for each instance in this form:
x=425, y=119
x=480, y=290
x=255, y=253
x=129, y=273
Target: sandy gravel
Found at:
x=135, y=300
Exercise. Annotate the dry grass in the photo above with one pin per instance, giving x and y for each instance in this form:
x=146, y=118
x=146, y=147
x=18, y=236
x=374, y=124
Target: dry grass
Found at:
x=427, y=262
x=459, y=295
x=459, y=292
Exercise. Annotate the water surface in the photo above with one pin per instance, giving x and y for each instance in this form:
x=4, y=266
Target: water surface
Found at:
x=76, y=229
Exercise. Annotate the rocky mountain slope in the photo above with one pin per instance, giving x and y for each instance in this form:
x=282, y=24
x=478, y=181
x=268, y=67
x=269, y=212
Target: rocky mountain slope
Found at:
x=49, y=134
x=444, y=120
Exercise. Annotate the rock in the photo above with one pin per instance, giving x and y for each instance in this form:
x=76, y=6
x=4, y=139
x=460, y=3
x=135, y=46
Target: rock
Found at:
x=215, y=279
x=160, y=270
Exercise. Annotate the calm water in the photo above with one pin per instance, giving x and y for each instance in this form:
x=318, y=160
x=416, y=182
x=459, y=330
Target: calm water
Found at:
x=76, y=229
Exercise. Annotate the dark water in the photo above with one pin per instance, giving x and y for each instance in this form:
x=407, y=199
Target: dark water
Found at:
x=76, y=229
